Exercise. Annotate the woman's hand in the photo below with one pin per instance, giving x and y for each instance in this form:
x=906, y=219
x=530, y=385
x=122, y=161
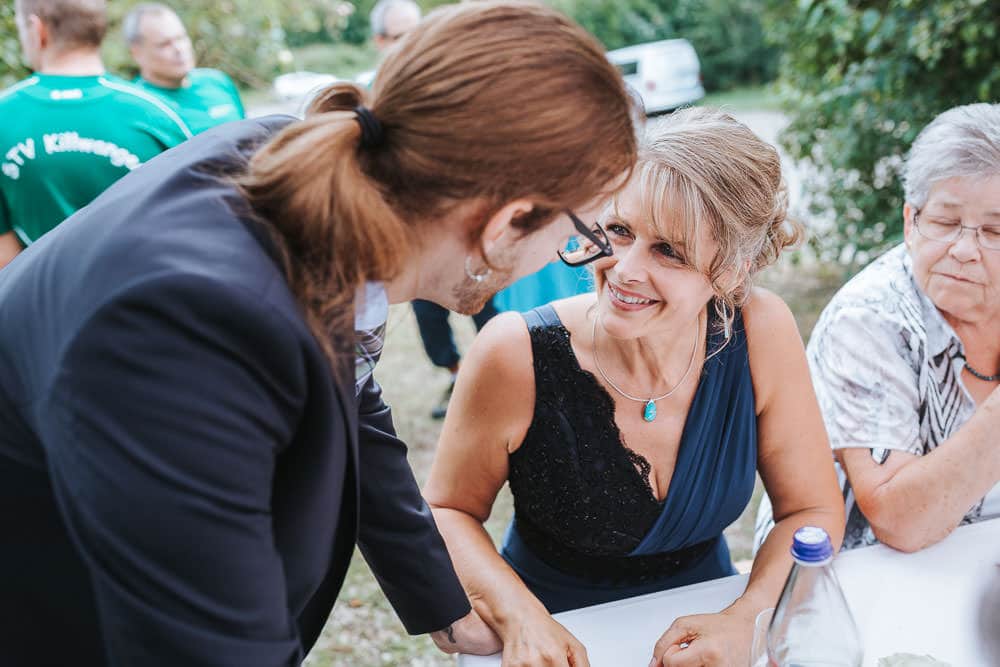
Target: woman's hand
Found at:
x=538, y=640
x=469, y=635
x=706, y=640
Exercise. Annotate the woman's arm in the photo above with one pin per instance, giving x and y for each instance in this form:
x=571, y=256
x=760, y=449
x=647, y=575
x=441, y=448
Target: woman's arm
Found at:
x=793, y=456
x=401, y=543
x=795, y=463
x=871, y=401
x=488, y=416
x=914, y=501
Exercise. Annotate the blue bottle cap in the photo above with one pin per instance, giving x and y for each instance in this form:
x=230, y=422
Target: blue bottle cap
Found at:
x=811, y=545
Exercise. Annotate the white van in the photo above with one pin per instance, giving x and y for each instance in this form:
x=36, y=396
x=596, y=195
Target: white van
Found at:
x=665, y=74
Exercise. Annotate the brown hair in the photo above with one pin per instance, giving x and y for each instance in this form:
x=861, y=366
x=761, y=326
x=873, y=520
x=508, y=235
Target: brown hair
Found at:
x=708, y=169
x=481, y=104
x=72, y=23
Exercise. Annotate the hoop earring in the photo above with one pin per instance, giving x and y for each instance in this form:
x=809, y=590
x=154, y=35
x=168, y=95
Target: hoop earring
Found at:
x=475, y=277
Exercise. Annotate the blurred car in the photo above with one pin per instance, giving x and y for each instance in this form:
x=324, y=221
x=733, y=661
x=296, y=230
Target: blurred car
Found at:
x=665, y=74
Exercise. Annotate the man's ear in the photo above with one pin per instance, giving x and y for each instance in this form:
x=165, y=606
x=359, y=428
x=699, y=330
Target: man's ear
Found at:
x=499, y=228
x=38, y=31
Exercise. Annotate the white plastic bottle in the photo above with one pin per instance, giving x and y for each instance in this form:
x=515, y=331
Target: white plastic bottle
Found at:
x=812, y=624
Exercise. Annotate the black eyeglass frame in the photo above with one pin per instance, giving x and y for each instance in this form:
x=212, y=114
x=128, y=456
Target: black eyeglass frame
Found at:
x=600, y=239
x=961, y=228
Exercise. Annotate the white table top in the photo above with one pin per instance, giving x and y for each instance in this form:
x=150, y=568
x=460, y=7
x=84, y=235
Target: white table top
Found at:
x=925, y=602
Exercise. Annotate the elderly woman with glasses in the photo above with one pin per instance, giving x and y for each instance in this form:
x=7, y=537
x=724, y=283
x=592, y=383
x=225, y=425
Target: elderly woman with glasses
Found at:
x=906, y=357
x=630, y=422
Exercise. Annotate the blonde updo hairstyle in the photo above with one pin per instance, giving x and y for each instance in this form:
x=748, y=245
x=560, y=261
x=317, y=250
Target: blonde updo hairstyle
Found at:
x=702, y=167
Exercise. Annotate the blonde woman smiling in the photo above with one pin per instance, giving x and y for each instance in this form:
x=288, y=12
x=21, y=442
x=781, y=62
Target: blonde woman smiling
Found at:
x=630, y=423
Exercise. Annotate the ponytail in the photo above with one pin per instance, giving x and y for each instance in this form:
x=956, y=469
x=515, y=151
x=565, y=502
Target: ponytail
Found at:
x=328, y=217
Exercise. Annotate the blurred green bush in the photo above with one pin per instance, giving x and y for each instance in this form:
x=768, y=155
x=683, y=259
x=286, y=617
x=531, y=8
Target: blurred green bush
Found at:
x=860, y=79
x=249, y=39
x=727, y=34
x=11, y=67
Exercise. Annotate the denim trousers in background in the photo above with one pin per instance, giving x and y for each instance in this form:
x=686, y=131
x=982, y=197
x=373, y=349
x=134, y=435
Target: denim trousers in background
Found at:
x=436, y=334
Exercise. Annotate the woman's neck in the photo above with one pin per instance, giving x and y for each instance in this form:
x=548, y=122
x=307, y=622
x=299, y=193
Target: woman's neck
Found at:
x=425, y=273
x=981, y=343
x=656, y=361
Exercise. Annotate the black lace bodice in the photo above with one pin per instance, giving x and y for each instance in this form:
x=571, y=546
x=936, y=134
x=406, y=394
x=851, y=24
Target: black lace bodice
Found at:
x=582, y=498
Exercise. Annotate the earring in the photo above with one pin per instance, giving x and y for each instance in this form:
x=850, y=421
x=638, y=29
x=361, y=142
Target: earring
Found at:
x=475, y=277
x=727, y=326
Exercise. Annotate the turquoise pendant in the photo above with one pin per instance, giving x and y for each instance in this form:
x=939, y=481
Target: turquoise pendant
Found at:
x=649, y=413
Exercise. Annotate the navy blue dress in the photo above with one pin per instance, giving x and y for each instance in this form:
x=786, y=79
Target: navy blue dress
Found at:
x=587, y=528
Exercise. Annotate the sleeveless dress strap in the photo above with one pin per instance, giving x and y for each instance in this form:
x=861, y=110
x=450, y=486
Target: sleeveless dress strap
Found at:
x=543, y=316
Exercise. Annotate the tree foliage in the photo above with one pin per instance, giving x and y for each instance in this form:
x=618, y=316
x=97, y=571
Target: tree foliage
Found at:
x=246, y=38
x=11, y=67
x=860, y=80
x=251, y=38
x=727, y=34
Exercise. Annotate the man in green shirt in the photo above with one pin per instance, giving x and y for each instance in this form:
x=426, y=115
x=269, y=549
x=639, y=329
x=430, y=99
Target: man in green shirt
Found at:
x=161, y=48
x=70, y=130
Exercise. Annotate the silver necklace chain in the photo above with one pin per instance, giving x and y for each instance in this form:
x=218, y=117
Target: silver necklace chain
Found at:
x=597, y=363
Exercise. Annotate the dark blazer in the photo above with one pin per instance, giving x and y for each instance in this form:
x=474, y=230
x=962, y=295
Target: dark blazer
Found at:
x=182, y=478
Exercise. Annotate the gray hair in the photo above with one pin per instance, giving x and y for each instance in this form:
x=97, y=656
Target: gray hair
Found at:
x=962, y=141
x=382, y=7
x=132, y=22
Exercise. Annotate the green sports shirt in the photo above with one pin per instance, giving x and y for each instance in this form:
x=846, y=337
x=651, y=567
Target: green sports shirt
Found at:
x=207, y=98
x=65, y=139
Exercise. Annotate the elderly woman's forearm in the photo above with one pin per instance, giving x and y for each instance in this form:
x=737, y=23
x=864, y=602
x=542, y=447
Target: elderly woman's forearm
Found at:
x=926, y=499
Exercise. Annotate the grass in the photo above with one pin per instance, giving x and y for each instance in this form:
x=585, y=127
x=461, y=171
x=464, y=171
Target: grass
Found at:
x=750, y=98
x=362, y=630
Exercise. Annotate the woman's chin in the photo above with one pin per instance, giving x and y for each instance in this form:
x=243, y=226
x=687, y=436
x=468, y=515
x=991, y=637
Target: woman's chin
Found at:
x=957, y=303
x=618, y=323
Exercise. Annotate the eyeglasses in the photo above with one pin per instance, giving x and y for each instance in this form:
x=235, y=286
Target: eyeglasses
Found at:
x=949, y=230
x=588, y=244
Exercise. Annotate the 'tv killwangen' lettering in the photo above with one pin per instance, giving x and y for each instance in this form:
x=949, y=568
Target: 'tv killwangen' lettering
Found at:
x=66, y=142
x=17, y=154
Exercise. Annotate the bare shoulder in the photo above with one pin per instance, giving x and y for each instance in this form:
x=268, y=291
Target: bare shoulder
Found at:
x=494, y=395
x=574, y=312
x=503, y=349
x=768, y=321
x=774, y=344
